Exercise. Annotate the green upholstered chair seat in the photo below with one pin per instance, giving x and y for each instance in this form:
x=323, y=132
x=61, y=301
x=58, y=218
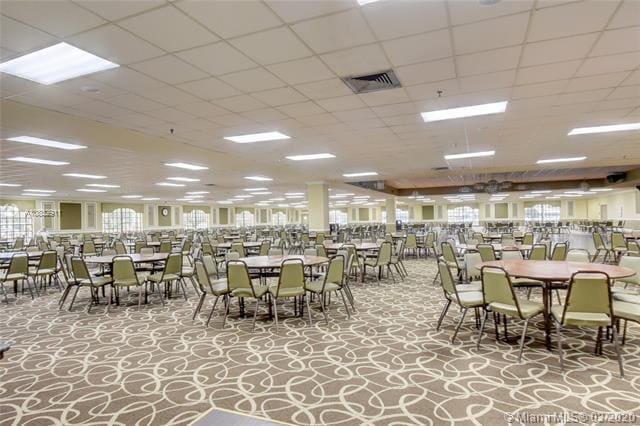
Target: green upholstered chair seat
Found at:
x=35, y=271
x=246, y=292
x=158, y=277
x=371, y=261
x=527, y=308
x=187, y=272
x=286, y=292
x=625, y=297
x=218, y=287
x=472, y=286
x=129, y=282
x=13, y=277
x=626, y=310
x=469, y=299
x=316, y=287
x=526, y=282
x=97, y=281
x=583, y=319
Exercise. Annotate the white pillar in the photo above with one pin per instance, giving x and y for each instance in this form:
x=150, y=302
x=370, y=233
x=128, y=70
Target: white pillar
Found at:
x=318, y=193
x=391, y=214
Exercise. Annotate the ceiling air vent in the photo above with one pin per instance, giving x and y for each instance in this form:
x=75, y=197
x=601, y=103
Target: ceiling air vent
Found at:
x=439, y=169
x=209, y=184
x=372, y=82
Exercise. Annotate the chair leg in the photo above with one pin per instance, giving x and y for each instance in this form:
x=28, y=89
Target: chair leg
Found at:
x=435, y=279
x=110, y=297
x=442, y=314
x=275, y=312
x=255, y=315
x=559, y=336
x=617, y=348
x=31, y=289
x=455, y=333
x=484, y=319
x=226, y=310
x=63, y=297
x=4, y=291
x=184, y=290
x=524, y=336
x=199, y=306
x=73, y=299
x=344, y=301
x=393, y=277
x=156, y=288
x=308, y=310
x=321, y=297
x=90, y=300
x=213, y=308
x=139, y=297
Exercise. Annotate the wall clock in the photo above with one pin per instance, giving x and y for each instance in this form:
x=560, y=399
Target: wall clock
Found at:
x=165, y=212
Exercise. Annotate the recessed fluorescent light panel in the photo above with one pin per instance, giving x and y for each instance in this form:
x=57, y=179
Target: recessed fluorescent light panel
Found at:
x=258, y=137
x=10, y=184
x=183, y=179
x=102, y=185
x=150, y=199
x=262, y=193
x=470, y=155
x=55, y=63
x=604, y=129
x=360, y=174
x=259, y=178
x=310, y=157
x=601, y=189
x=170, y=184
x=470, y=111
x=197, y=192
x=255, y=189
x=36, y=194
x=91, y=190
x=541, y=192
x=48, y=191
x=38, y=161
x=132, y=196
x=363, y=2
x=561, y=160
x=82, y=175
x=45, y=142
x=186, y=166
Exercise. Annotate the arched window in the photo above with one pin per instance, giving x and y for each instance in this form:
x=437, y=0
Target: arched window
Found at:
x=279, y=218
x=14, y=223
x=338, y=216
x=542, y=213
x=195, y=219
x=122, y=220
x=245, y=218
x=402, y=214
x=463, y=214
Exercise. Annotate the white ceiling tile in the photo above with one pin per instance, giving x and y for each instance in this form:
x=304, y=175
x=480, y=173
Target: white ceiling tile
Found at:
x=492, y=80
x=142, y=120
x=359, y=60
x=580, y=97
x=573, y=18
x=370, y=123
x=490, y=61
x=252, y=80
x=168, y=95
x=385, y=97
x=14, y=85
x=464, y=12
x=557, y=50
x=610, y=63
x=341, y=103
x=390, y=19
x=539, y=89
x=265, y=115
x=627, y=15
x=354, y=114
x=169, y=29
x=232, y=120
x=425, y=72
x=115, y=44
x=296, y=10
x=540, y=73
x=134, y=102
x=596, y=82
x=60, y=18
x=218, y=58
x=280, y=96
x=318, y=119
x=419, y=48
x=485, y=35
x=55, y=95
x=239, y=103
x=169, y=69
x=398, y=120
x=334, y=32
x=406, y=108
x=301, y=109
x=18, y=37
x=114, y=10
x=77, y=85
x=209, y=88
x=633, y=79
x=272, y=46
x=102, y=108
x=171, y=115
x=202, y=109
x=430, y=90
x=324, y=89
x=231, y=18
x=618, y=41
x=126, y=78
x=626, y=92
x=301, y=71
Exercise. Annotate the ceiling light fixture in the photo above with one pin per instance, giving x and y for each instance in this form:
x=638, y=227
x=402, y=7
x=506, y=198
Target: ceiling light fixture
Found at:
x=294, y=196
x=360, y=174
x=255, y=189
x=186, y=166
x=102, y=185
x=38, y=161
x=183, y=179
x=363, y=2
x=470, y=111
x=604, y=129
x=36, y=194
x=132, y=196
x=85, y=176
x=170, y=184
x=469, y=155
x=10, y=184
x=262, y=193
x=197, y=192
x=541, y=192
x=91, y=190
x=310, y=157
x=150, y=199
x=55, y=63
x=45, y=142
x=259, y=178
x=560, y=160
x=47, y=191
x=601, y=189
x=257, y=137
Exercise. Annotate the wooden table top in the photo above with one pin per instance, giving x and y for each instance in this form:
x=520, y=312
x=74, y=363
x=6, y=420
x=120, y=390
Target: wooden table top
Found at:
x=6, y=255
x=632, y=235
x=359, y=247
x=246, y=244
x=553, y=270
x=153, y=243
x=497, y=247
x=136, y=257
x=261, y=262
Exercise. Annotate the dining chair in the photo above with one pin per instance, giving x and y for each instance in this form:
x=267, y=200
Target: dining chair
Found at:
x=396, y=259
x=238, y=247
x=348, y=267
x=487, y=252
x=381, y=261
x=18, y=270
x=411, y=244
x=578, y=255
x=186, y=250
x=242, y=287
x=171, y=273
x=618, y=245
x=527, y=238
x=265, y=246
x=291, y=283
x=320, y=238
x=82, y=278
x=217, y=288
x=623, y=293
x=451, y=259
x=465, y=300
x=600, y=245
x=332, y=281
x=500, y=298
x=125, y=276
x=211, y=266
x=560, y=251
x=46, y=270
x=588, y=305
x=165, y=246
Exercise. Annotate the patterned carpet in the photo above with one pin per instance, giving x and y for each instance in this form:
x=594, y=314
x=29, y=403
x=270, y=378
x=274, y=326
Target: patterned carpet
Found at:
x=387, y=365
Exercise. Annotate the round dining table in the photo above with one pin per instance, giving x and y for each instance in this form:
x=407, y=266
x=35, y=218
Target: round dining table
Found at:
x=359, y=246
x=550, y=271
x=246, y=244
x=496, y=247
x=273, y=262
x=135, y=257
x=5, y=256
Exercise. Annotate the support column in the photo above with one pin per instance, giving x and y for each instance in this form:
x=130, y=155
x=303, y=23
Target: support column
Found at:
x=391, y=215
x=318, y=193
